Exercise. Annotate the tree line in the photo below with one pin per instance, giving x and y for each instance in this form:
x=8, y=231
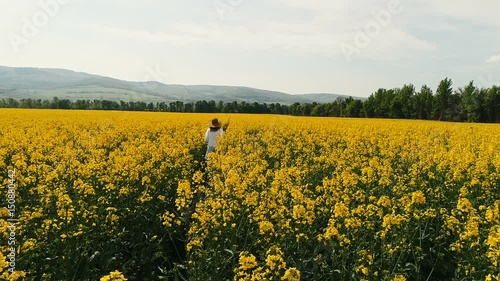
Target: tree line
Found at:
x=467, y=104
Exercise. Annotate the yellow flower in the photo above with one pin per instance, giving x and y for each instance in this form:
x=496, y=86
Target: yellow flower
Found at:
x=384, y=201
x=29, y=244
x=168, y=218
x=114, y=276
x=298, y=212
x=341, y=210
x=493, y=243
x=184, y=195
x=274, y=259
x=303, y=182
x=491, y=277
x=17, y=275
x=418, y=197
x=247, y=261
x=265, y=226
x=363, y=269
x=291, y=274
x=399, y=277
x=3, y=262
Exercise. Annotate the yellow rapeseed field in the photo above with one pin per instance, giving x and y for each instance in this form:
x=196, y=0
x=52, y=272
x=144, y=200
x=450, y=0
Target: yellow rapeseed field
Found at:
x=126, y=195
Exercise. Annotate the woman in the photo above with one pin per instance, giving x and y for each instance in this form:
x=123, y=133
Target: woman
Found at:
x=212, y=134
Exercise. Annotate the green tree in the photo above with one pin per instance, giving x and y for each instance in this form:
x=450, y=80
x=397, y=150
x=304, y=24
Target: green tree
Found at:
x=470, y=105
x=407, y=98
x=424, y=103
x=369, y=107
x=443, y=96
x=492, y=104
x=382, y=103
x=354, y=107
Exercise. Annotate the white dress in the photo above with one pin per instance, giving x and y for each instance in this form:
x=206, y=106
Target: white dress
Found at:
x=211, y=138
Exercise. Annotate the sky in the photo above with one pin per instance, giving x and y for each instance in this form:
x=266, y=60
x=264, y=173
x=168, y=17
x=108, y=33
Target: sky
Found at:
x=349, y=47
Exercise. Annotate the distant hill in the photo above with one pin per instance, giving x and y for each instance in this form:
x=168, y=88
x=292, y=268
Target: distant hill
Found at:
x=43, y=83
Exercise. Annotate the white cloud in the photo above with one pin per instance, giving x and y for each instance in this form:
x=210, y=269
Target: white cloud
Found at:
x=342, y=20
x=494, y=59
x=394, y=44
x=442, y=27
x=485, y=11
x=189, y=35
x=338, y=8
x=292, y=38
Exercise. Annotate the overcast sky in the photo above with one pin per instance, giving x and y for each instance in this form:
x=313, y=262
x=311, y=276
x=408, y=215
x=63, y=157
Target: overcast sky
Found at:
x=350, y=47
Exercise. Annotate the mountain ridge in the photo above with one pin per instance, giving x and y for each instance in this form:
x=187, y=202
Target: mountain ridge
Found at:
x=46, y=83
